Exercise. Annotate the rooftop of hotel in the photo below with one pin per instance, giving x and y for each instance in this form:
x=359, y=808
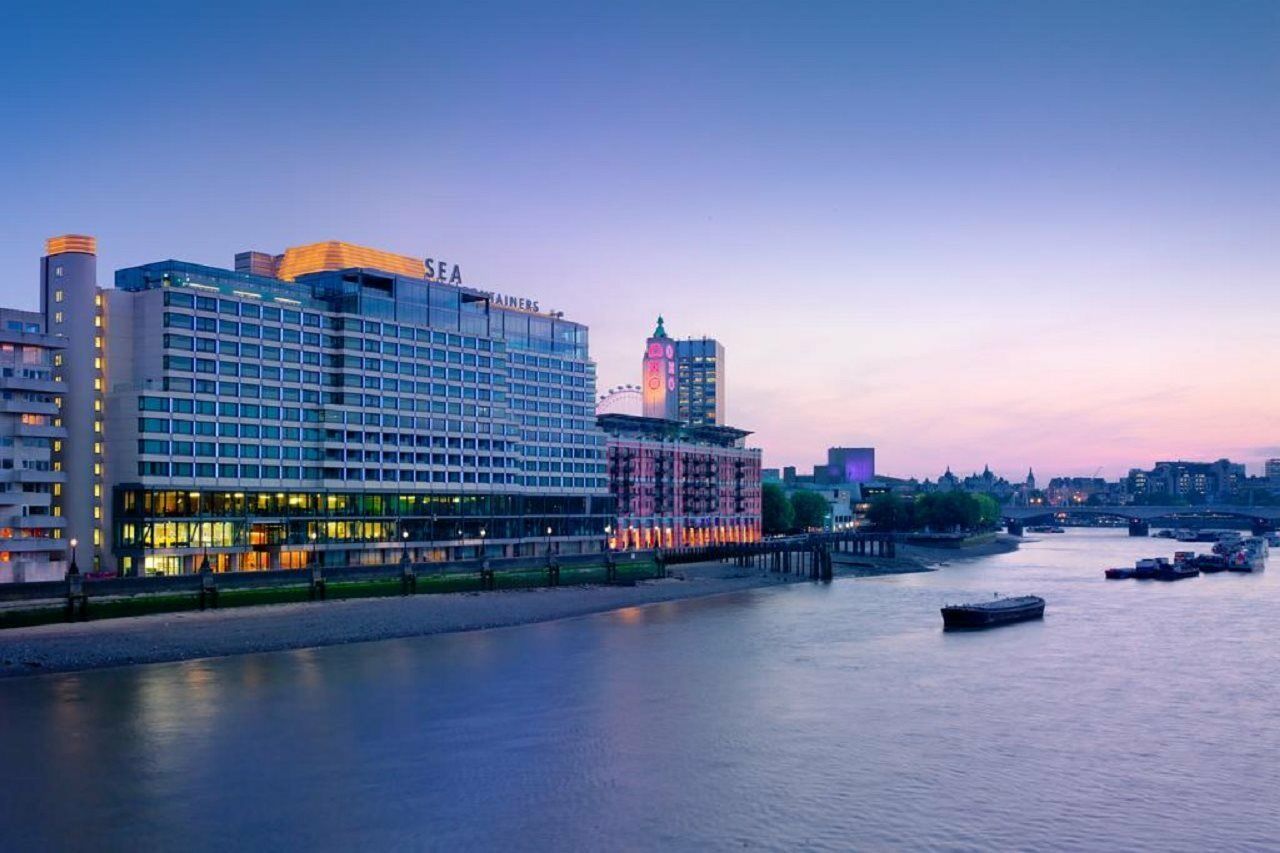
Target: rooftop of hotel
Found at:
x=668, y=430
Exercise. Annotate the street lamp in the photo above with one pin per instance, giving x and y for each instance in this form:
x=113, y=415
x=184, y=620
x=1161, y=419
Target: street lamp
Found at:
x=312, y=557
x=548, y=540
x=483, y=533
x=75, y=569
x=608, y=529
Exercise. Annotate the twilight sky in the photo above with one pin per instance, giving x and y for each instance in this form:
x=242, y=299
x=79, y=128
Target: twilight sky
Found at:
x=1021, y=233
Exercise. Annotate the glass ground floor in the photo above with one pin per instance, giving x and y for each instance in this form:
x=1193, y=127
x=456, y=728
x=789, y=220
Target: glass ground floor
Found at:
x=173, y=531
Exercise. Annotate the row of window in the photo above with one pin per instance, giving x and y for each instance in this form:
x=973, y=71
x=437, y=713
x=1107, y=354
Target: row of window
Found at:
x=228, y=470
x=267, y=352
x=216, y=450
x=308, y=319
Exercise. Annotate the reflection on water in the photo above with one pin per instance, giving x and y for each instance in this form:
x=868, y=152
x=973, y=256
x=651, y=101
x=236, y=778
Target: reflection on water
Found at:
x=1137, y=715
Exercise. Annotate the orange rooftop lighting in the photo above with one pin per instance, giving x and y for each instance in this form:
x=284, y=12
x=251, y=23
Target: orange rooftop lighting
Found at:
x=71, y=243
x=337, y=255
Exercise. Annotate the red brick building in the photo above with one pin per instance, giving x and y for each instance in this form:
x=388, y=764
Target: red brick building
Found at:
x=678, y=485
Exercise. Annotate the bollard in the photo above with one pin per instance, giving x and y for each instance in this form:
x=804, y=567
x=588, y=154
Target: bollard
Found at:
x=317, y=587
x=408, y=579
x=610, y=569
x=77, y=601
x=208, y=590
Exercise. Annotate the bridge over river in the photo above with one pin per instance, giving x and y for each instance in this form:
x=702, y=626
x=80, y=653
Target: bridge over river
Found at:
x=1261, y=519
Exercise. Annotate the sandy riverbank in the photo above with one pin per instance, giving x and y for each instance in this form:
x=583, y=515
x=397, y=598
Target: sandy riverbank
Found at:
x=213, y=633
x=69, y=647
x=916, y=558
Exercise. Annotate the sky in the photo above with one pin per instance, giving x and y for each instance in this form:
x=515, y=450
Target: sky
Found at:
x=1018, y=234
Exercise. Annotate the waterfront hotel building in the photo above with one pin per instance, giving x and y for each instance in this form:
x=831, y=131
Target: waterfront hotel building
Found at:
x=334, y=403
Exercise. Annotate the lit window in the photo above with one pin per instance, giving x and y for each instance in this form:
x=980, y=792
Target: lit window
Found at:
x=58, y=295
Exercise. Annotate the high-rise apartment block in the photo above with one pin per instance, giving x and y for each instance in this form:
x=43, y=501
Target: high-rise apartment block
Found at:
x=700, y=381
x=32, y=544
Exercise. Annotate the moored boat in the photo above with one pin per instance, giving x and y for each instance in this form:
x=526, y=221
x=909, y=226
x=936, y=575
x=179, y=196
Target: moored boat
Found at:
x=986, y=614
x=1119, y=574
x=1149, y=567
x=1176, y=572
x=1210, y=563
x=1251, y=556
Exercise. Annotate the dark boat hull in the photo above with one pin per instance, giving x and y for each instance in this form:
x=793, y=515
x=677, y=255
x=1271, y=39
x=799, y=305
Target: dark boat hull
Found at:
x=974, y=617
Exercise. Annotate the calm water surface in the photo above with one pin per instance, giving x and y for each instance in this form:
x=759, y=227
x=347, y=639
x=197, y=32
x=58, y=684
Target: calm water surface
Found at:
x=1138, y=715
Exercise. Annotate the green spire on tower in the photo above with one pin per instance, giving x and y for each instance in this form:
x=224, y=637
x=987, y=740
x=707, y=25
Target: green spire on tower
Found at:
x=660, y=332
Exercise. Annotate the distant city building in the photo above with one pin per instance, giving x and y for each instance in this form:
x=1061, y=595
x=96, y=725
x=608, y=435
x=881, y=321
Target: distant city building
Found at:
x=986, y=483
x=1192, y=481
x=700, y=381
x=1273, y=472
x=678, y=485
x=1068, y=491
x=33, y=546
x=842, y=503
x=659, y=376
x=850, y=465
x=771, y=475
x=844, y=466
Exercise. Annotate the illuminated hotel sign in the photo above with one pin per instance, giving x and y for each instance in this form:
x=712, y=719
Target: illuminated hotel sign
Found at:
x=443, y=271
x=518, y=303
x=447, y=273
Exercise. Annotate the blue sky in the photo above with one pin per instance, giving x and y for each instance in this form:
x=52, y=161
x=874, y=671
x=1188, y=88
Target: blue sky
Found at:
x=965, y=232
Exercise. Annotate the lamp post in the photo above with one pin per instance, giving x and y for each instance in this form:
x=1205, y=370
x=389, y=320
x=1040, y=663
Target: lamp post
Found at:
x=74, y=568
x=311, y=557
x=483, y=534
x=404, y=539
x=548, y=540
x=608, y=529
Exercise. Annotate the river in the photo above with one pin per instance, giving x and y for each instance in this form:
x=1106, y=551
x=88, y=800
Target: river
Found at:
x=1137, y=715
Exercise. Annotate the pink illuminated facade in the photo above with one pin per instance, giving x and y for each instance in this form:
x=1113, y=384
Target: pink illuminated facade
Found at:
x=681, y=486
x=659, y=377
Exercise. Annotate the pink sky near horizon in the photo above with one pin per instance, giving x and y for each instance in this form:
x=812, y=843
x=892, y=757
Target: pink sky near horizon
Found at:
x=1017, y=234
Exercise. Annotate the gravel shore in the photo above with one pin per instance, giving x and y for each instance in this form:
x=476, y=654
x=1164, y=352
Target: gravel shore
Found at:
x=214, y=633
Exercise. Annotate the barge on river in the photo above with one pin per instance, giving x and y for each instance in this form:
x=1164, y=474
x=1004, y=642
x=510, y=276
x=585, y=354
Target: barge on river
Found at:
x=987, y=614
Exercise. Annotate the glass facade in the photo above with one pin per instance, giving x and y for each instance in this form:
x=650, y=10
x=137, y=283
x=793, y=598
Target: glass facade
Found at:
x=348, y=388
